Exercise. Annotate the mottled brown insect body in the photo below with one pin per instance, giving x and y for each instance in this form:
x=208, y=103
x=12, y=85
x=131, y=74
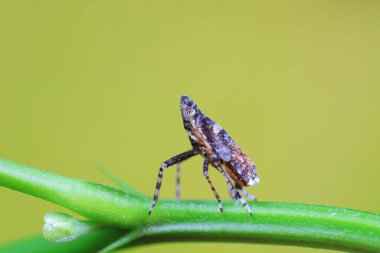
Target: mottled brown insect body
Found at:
x=213, y=142
x=218, y=149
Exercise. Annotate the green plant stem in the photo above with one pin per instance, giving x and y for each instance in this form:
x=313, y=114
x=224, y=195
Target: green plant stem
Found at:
x=272, y=223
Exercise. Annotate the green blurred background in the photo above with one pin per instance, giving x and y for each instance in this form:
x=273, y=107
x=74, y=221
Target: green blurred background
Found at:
x=295, y=83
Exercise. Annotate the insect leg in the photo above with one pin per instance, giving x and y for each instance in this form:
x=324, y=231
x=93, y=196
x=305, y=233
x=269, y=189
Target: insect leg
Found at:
x=245, y=193
x=230, y=188
x=231, y=193
x=174, y=160
x=205, y=173
x=235, y=191
x=178, y=182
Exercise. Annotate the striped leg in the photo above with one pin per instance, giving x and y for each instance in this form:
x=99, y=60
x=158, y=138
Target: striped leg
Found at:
x=245, y=193
x=234, y=191
x=205, y=173
x=174, y=160
x=178, y=183
x=230, y=189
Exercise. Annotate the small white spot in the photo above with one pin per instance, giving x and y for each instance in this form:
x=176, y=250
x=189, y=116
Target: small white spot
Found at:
x=216, y=129
x=254, y=181
x=192, y=137
x=193, y=123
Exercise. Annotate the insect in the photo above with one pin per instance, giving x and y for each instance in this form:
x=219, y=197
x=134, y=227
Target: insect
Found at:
x=217, y=148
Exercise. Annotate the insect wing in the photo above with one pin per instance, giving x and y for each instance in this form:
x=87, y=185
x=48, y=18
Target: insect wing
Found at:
x=218, y=139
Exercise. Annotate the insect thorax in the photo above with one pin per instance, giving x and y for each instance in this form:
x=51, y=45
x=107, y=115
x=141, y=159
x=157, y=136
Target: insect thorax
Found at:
x=196, y=136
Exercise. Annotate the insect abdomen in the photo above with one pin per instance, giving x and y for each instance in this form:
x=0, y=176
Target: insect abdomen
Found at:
x=240, y=168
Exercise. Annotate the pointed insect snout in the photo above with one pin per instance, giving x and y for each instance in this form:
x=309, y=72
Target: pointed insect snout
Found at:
x=186, y=101
x=188, y=108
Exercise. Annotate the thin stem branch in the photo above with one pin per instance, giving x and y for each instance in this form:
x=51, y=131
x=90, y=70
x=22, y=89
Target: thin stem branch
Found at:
x=272, y=223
